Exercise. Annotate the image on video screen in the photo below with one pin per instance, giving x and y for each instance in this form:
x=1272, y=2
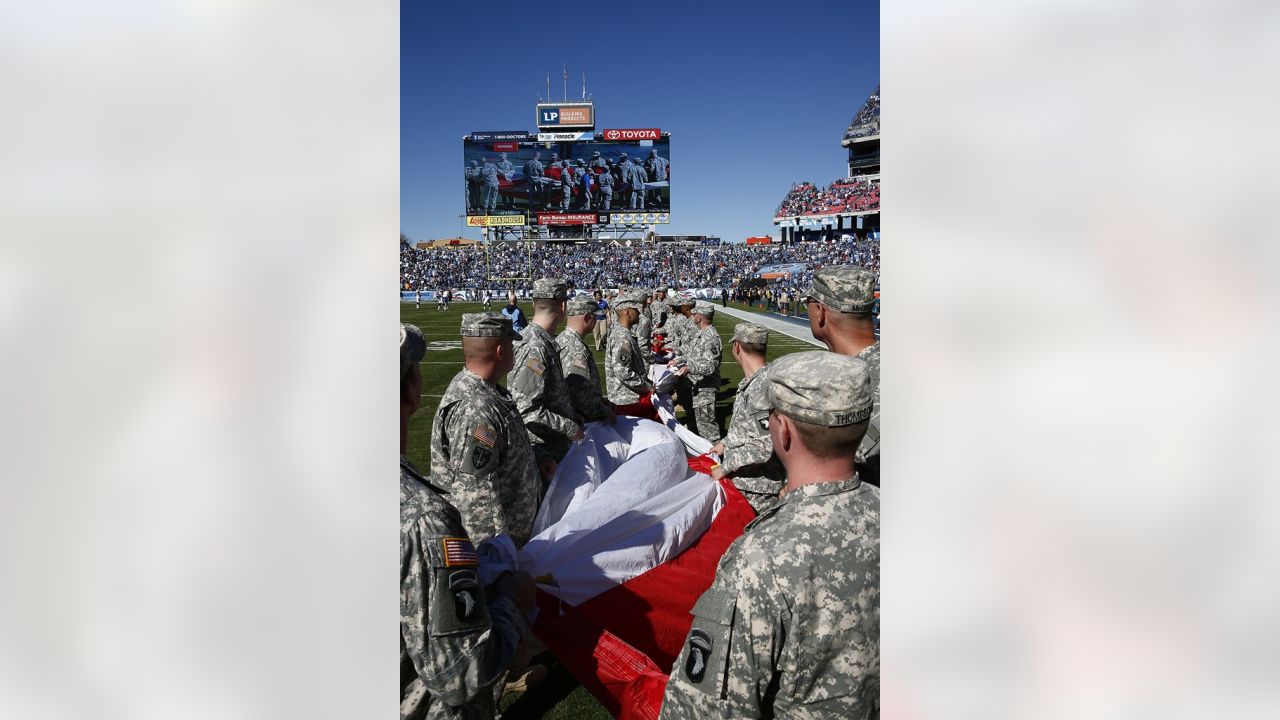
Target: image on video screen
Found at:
x=523, y=178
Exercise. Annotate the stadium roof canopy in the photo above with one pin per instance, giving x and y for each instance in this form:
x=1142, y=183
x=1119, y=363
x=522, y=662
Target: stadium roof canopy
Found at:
x=866, y=122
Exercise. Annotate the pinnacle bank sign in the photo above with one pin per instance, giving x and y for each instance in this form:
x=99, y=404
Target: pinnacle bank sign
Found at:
x=631, y=134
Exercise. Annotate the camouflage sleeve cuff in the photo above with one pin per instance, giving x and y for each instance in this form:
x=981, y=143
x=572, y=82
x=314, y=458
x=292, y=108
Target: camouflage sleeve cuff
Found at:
x=744, y=458
x=568, y=426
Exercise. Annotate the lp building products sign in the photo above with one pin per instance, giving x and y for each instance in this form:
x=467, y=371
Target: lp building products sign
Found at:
x=554, y=116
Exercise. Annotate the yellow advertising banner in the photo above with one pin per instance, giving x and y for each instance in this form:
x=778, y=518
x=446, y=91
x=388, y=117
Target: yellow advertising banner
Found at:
x=495, y=220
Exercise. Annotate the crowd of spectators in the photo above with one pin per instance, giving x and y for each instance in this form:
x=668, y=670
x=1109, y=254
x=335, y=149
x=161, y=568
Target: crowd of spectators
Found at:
x=783, y=295
x=842, y=195
x=600, y=264
x=866, y=122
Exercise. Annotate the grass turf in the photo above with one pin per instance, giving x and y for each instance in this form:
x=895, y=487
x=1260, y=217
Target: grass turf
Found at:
x=560, y=696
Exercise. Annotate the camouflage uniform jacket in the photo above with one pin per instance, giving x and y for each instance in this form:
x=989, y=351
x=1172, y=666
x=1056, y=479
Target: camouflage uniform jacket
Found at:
x=748, y=450
x=626, y=376
x=480, y=454
x=643, y=331
x=453, y=643
x=537, y=384
x=687, y=330
x=581, y=377
x=791, y=626
x=657, y=314
x=868, y=454
x=677, y=327
x=702, y=352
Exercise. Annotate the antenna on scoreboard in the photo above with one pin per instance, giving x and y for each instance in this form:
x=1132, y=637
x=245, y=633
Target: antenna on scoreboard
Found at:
x=548, y=87
x=584, y=86
x=566, y=82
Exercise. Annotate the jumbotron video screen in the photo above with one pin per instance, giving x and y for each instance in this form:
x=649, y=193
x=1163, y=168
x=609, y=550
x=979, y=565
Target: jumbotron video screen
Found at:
x=526, y=178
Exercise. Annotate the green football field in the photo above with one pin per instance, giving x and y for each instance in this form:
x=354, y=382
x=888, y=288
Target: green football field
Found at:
x=560, y=696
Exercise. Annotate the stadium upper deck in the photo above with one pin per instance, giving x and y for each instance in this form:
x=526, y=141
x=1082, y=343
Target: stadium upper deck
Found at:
x=849, y=204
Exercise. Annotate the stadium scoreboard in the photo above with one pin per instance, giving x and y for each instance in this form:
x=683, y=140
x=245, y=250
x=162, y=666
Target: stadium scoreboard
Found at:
x=554, y=177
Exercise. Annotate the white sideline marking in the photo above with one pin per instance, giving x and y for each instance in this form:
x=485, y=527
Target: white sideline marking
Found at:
x=799, y=332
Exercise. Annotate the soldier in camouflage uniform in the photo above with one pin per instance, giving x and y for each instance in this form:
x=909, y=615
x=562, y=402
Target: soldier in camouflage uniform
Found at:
x=533, y=173
x=680, y=329
x=658, y=308
x=580, y=375
x=840, y=304
x=643, y=329
x=605, y=180
x=701, y=354
x=658, y=314
x=456, y=638
x=637, y=177
x=537, y=380
x=480, y=451
x=567, y=181
x=469, y=175
x=489, y=176
x=747, y=450
x=790, y=628
x=679, y=324
x=625, y=373
x=585, y=181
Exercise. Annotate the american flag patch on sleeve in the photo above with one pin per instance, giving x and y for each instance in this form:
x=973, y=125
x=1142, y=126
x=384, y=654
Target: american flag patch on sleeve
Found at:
x=485, y=436
x=536, y=365
x=459, y=551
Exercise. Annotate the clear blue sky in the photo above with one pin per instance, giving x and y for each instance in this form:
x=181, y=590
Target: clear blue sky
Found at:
x=755, y=95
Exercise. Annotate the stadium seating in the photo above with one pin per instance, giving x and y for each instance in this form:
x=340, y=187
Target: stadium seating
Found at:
x=596, y=265
x=843, y=195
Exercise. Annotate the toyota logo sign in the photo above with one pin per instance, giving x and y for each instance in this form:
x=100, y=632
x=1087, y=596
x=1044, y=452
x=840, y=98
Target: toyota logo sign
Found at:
x=632, y=134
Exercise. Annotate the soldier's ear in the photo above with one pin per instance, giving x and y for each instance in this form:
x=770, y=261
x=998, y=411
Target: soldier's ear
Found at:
x=782, y=431
x=819, y=312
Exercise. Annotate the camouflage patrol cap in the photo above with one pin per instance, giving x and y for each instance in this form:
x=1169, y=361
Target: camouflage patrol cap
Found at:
x=632, y=299
x=749, y=332
x=487, y=324
x=845, y=288
x=550, y=289
x=823, y=388
x=413, y=347
x=702, y=307
x=582, y=305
